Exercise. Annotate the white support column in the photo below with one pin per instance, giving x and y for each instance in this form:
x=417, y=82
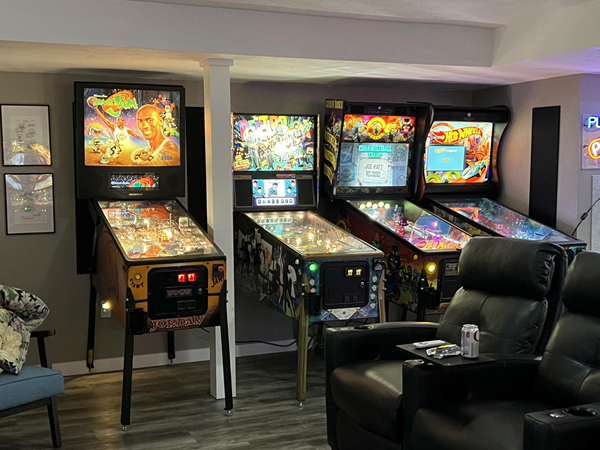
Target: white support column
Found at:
x=217, y=119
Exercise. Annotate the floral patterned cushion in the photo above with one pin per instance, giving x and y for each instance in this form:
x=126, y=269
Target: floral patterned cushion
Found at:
x=20, y=314
x=14, y=341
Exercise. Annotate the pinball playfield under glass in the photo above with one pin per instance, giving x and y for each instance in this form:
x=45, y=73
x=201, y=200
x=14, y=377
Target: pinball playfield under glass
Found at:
x=411, y=222
x=309, y=234
x=503, y=220
x=155, y=229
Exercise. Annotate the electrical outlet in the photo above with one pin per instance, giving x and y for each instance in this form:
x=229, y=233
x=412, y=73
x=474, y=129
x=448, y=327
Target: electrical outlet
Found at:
x=105, y=311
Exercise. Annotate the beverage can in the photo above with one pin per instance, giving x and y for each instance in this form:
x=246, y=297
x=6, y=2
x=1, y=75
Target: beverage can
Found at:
x=469, y=341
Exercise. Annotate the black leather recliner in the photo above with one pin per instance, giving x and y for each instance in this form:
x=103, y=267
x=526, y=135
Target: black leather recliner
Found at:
x=510, y=288
x=518, y=405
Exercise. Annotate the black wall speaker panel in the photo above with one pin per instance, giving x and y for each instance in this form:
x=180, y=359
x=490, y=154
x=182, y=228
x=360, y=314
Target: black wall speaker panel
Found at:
x=543, y=182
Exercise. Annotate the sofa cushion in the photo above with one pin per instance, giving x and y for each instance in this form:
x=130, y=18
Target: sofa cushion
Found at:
x=31, y=384
x=370, y=393
x=474, y=424
x=20, y=314
x=14, y=341
x=351, y=436
x=507, y=323
x=510, y=267
x=28, y=307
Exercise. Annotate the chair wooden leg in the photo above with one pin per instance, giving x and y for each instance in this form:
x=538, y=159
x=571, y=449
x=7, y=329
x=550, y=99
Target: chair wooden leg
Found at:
x=54, y=425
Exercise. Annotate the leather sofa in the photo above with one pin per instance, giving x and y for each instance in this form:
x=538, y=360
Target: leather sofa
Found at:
x=510, y=288
x=552, y=404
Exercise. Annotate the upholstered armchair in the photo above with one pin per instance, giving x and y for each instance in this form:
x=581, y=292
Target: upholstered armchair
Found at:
x=24, y=387
x=510, y=288
x=552, y=404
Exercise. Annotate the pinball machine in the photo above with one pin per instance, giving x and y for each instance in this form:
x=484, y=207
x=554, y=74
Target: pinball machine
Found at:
x=154, y=266
x=372, y=156
x=287, y=256
x=462, y=178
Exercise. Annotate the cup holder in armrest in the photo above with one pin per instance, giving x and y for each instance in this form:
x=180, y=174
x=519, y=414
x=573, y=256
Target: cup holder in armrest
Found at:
x=581, y=412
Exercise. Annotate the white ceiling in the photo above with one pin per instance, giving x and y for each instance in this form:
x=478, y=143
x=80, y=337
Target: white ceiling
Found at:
x=484, y=13
x=534, y=39
x=60, y=58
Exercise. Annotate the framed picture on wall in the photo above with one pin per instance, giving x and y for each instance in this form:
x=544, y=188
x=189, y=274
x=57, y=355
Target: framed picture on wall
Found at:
x=25, y=135
x=29, y=203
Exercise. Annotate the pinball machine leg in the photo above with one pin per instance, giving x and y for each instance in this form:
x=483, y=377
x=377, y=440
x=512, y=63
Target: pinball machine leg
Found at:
x=383, y=304
x=127, y=376
x=404, y=313
x=225, y=349
x=91, y=326
x=171, y=345
x=421, y=312
x=302, y=355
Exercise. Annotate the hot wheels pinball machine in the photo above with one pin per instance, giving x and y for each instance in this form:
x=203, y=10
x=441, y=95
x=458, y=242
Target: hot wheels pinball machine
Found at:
x=371, y=166
x=287, y=256
x=152, y=263
x=462, y=179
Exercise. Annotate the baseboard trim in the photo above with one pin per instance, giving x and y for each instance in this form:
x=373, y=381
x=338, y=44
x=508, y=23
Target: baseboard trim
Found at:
x=161, y=359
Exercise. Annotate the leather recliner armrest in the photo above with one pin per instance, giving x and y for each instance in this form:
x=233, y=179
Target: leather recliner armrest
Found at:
x=574, y=428
x=509, y=377
x=373, y=342
x=363, y=343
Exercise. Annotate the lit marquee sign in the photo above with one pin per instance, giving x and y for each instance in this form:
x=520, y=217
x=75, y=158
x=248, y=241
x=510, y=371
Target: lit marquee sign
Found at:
x=590, y=139
x=592, y=122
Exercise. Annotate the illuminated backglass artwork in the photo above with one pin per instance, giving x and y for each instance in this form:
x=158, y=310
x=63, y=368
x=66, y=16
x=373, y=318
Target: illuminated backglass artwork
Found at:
x=132, y=127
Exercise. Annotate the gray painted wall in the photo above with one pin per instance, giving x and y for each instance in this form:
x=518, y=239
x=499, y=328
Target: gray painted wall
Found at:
x=45, y=264
x=515, y=156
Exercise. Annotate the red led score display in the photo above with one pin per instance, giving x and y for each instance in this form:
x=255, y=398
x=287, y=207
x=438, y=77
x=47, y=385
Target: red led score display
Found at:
x=183, y=277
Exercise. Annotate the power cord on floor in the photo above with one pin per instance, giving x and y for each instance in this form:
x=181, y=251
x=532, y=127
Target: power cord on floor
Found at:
x=310, y=341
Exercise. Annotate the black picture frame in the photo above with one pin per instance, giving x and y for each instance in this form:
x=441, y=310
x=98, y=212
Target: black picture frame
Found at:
x=24, y=144
x=27, y=215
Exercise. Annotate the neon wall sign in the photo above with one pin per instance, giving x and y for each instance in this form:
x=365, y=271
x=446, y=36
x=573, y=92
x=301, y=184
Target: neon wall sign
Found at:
x=590, y=139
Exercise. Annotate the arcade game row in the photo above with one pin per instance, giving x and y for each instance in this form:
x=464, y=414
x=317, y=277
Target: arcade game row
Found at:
x=288, y=257
x=461, y=174
x=372, y=165
x=152, y=263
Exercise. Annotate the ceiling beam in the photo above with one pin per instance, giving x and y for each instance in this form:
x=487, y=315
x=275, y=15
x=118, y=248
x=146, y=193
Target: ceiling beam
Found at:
x=198, y=29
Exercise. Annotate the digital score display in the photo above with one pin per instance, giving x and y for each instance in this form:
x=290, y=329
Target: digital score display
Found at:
x=275, y=192
x=373, y=164
x=134, y=181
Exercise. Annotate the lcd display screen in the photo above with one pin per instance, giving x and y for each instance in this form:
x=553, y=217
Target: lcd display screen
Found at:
x=276, y=192
x=373, y=164
x=273, y=143
x=445, y=158
x=131, y=127
x=458, y=152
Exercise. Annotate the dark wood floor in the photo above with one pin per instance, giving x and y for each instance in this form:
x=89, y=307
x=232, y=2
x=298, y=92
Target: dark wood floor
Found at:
x=173, y=410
